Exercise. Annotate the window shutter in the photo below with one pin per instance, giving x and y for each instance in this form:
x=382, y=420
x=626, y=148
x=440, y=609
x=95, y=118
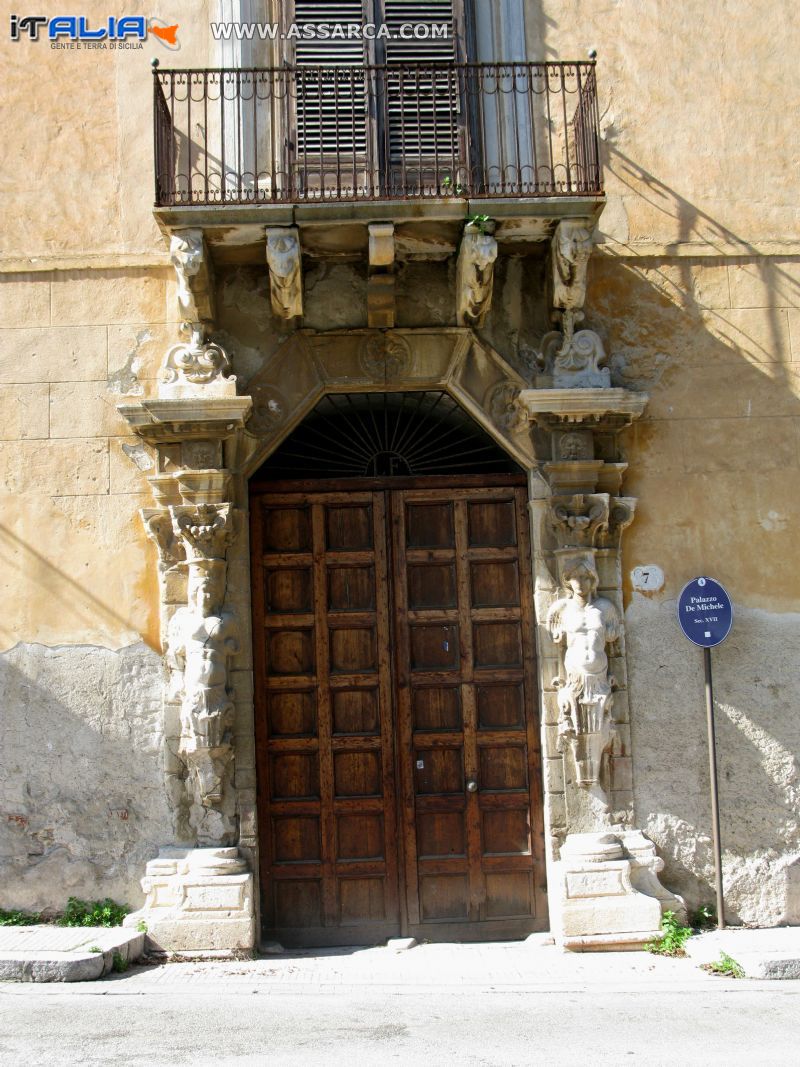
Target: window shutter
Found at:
x=332, y=135
x=425, y=110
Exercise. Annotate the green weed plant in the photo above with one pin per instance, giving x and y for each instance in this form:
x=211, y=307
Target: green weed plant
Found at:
x=673, y=937
x=19, y=918
x=92, y=913
x=725, y=966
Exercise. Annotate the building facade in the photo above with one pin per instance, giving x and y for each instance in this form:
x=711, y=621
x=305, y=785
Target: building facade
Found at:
x=350, y=489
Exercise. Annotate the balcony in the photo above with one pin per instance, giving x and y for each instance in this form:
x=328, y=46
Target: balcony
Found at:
x=416, y=133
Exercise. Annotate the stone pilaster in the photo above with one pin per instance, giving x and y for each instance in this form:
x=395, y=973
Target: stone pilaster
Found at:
x=604, y=888
x=199, y=899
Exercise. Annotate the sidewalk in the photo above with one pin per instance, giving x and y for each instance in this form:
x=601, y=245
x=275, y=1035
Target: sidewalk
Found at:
x=493, y=967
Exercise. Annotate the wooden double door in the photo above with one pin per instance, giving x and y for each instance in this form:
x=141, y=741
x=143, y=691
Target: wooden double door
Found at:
x=397, y=733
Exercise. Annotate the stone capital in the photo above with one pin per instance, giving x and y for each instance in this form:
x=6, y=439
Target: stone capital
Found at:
x=206, y=531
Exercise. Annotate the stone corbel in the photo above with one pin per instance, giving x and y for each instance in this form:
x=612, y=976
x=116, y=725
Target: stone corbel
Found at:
x=380, y=284
x=570, y=250
x=475, y=274
x=285, y=271
x=189, y=255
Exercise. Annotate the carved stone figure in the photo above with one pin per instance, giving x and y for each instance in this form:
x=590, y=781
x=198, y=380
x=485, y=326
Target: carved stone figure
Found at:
x=202, y=640
x=475, y=277
x=285, y=278
x=196, y=368
x=583, y=625
x=189, y=256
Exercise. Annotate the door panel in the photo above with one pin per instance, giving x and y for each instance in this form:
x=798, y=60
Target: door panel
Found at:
x=470, y=790
x=396, y=731
x=325, y=746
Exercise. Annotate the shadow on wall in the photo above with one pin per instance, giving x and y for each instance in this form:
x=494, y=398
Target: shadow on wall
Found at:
x=715, y=466
x=76, y=607
x=82, y=797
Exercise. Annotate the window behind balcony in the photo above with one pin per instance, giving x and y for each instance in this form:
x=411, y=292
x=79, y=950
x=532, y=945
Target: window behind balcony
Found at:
x=380, y=117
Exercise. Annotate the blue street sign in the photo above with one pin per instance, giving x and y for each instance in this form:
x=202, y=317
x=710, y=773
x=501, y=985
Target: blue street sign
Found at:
x=705, y=612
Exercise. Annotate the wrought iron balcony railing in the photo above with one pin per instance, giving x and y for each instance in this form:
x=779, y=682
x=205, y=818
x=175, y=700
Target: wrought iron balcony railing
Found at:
x=411, y=132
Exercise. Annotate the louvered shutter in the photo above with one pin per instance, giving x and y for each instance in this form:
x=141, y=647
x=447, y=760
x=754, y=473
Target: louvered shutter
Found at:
x=425, y=137
x=334, y=141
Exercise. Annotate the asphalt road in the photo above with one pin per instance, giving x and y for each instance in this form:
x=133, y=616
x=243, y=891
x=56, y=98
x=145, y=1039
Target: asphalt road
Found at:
x=731, y=1024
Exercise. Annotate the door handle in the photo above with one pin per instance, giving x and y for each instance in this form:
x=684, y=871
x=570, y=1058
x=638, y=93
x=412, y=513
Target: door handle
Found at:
x=472, y=785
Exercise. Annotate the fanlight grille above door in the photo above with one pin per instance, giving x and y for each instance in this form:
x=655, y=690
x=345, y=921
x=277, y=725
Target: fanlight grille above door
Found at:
x=385, y=435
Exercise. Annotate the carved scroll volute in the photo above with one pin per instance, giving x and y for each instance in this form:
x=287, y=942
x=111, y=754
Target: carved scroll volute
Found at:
x=579, y=521
x=196, y=368
x=158, y=527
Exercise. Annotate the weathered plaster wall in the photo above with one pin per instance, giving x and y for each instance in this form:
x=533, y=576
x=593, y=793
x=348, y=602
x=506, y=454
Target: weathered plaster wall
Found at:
x=81, y=792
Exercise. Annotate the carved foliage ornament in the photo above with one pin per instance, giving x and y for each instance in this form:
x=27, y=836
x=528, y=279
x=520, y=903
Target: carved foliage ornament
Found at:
x=590, y=520
x=206, y=530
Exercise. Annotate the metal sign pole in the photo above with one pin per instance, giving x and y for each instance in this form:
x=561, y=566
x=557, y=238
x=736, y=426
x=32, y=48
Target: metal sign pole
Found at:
x=712, y=769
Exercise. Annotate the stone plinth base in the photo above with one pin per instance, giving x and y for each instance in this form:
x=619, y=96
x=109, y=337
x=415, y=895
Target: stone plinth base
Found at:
x=199, y=903
x=611, y=898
